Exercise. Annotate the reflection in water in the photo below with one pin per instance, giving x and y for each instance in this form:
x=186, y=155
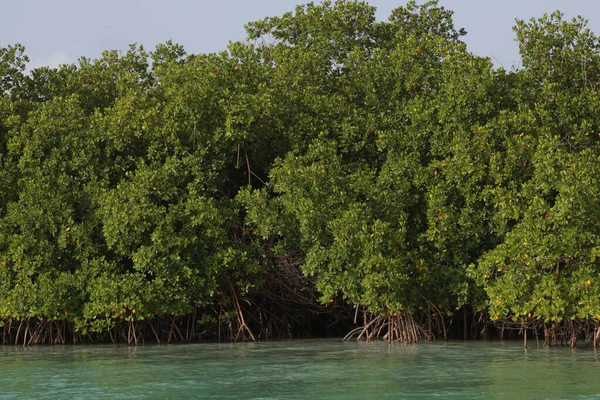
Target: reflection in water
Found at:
x=318, y=369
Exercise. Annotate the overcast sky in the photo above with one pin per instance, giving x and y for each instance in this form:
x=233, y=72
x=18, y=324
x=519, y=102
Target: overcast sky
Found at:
x=60, y=31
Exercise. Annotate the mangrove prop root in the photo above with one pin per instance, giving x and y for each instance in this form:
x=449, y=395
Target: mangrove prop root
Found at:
x=400, y=327
x=238, y=320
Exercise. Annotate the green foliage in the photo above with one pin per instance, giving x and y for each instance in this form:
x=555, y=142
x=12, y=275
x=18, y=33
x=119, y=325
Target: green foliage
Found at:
x=547, y=206
x=397, y=168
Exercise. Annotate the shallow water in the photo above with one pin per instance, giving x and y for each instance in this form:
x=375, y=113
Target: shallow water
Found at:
x=303, y=369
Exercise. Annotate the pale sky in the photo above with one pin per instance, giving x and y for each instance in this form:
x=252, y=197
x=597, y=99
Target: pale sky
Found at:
x=61, y=31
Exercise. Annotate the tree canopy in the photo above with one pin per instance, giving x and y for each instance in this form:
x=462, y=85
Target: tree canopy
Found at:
x=329, y=166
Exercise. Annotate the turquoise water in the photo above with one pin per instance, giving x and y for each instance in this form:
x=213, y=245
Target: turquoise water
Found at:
x=303, y=369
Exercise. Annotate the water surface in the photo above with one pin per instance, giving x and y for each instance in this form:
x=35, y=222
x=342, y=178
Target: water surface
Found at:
x=303, y=369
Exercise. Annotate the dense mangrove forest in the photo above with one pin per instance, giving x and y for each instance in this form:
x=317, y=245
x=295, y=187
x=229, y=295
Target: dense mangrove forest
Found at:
x=330, y=175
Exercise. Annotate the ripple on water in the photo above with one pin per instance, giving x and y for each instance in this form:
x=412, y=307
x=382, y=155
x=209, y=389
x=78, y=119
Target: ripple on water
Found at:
x=319, y=369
